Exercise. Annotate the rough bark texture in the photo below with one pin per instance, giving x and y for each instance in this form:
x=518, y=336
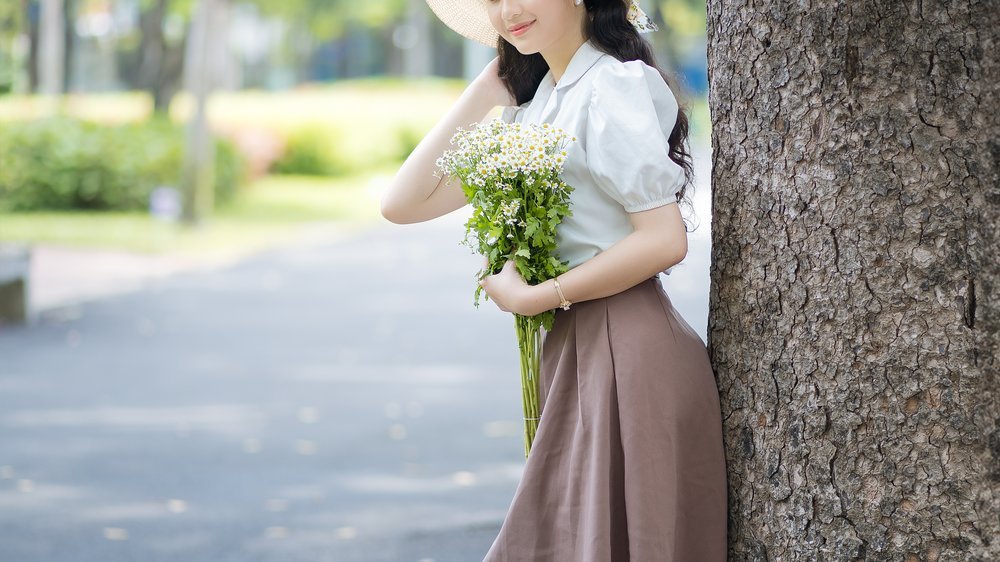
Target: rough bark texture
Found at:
x=854, y=299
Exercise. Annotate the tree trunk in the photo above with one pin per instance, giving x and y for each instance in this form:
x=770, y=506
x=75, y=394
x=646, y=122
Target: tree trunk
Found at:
x=161, y=65
x=418, y=57
x=201, y=72
x=69, y=43
x=51, y=47
x=854, y=302
x=32, y=18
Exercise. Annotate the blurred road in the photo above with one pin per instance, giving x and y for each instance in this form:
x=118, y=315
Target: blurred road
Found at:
x=330, y=400
x=339, y=401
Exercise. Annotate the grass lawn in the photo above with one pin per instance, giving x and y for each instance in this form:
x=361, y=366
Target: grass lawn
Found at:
x=265, y=212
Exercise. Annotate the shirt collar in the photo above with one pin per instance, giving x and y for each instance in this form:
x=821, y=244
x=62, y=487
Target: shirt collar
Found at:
x=584, y=58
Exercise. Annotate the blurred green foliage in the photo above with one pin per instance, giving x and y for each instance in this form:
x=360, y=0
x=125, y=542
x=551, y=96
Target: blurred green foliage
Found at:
x=323, y=150
x=330, y=19
x=11, y=22
x=408, y=137
x=61, y=163
x=266, y=212
x=314, y=151
x=683, y=29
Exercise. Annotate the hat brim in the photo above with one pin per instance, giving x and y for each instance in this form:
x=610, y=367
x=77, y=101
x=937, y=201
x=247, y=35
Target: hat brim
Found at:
x=470, y=19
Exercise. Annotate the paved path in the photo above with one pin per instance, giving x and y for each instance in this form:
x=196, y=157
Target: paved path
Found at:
x=330, y=400
x=63, y=275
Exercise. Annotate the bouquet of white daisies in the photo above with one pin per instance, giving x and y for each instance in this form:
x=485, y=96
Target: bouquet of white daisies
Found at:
x=510, y=173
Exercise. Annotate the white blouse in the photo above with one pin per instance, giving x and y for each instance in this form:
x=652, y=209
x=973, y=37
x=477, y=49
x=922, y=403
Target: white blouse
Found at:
x=621, y=114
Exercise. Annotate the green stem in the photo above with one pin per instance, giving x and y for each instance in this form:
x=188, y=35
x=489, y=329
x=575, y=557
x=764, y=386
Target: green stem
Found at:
x=529, y=343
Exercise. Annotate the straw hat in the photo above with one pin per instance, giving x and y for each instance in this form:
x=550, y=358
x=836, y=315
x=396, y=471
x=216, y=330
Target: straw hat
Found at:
x=469, y=18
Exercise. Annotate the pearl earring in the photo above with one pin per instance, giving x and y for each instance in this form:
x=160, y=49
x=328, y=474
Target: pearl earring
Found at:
x=578, y=2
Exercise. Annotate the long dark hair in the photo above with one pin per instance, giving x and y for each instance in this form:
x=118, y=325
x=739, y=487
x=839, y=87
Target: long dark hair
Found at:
x=610, y=30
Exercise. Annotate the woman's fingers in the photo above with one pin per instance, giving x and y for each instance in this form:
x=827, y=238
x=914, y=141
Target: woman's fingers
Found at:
x=482, y=283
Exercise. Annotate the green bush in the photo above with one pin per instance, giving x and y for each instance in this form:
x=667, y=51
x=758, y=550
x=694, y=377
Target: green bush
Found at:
x=63, y=163
x=230, y=170
x=314, y=151
x=408, y=138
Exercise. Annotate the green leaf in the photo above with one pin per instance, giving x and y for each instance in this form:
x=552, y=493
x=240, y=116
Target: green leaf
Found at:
x=532, y=223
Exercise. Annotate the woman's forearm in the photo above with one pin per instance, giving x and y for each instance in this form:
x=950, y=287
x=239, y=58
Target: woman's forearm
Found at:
x=418, y=176
x=635, y=258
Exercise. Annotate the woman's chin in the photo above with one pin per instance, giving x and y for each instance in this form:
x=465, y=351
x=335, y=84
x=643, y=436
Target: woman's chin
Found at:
x=524, y=49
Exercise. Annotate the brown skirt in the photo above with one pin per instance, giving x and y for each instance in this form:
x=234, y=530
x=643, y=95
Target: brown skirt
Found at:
x=628, y=461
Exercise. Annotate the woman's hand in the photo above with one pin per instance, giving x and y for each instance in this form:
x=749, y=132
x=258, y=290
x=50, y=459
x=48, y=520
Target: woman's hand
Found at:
x=508, y=289
x=489, y=85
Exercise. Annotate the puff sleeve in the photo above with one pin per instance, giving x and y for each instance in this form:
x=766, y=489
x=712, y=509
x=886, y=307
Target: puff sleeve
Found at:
x=629, y=119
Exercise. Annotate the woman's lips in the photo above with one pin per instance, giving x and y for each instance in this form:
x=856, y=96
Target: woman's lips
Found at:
x=521, y=29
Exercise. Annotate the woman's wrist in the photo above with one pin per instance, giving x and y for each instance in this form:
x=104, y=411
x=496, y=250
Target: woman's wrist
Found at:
x=541, y=297
x=481, y=94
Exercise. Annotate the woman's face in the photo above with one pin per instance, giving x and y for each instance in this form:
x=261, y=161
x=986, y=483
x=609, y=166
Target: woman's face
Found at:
x=548, y=21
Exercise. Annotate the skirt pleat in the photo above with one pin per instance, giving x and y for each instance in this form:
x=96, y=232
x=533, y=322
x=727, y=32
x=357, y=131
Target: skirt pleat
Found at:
x=628, y=462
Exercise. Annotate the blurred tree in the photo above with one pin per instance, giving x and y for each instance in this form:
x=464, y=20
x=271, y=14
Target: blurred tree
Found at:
x=330, y=19
x=153, y=59
x=418, y=59
x=12, y=24
x=208, y=31
x=69, y=40
x=683, y=19
x=31, y=16
x=340, y=22
x=681, y=40
x=59, y=17
x=52, y=51
x=160, y=62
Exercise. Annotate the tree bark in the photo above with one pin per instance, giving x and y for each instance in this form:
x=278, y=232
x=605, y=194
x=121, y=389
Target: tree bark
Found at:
x=854, y=312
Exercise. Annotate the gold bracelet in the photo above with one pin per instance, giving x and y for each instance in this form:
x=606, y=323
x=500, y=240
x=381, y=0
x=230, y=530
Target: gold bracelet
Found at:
x=562, y=298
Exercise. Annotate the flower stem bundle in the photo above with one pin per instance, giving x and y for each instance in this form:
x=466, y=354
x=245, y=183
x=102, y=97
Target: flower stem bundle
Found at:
x=510, y=174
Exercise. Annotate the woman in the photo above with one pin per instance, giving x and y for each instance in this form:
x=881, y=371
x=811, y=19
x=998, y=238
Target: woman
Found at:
x=628, y=460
